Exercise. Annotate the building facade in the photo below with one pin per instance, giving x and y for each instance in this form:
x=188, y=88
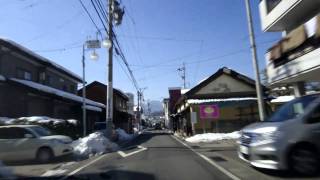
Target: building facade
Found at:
x=31, y=85
x=96, y=91
x=130, y=103
x=295, y=59
x=167, y=122
x=224, y=102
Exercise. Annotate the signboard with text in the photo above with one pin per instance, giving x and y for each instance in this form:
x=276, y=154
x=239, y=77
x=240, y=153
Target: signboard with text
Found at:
x=209, y=111
x=93, y=44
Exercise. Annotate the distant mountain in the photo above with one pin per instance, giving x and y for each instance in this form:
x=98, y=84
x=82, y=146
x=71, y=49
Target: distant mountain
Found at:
x=155, y=106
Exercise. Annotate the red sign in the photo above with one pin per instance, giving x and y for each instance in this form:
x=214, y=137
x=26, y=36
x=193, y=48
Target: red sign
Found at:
x=209, y=111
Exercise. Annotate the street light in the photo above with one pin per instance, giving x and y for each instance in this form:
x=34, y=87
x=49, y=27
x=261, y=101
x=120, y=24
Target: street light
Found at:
x=94, y=55
x=106, y=43
x=90, y=44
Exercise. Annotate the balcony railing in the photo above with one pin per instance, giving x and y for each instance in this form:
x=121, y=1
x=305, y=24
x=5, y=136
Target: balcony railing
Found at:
x=298, y=42
x=285, y=15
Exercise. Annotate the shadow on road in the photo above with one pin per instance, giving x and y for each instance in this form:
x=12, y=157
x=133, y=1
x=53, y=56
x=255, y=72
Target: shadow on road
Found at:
x=66, y=158
x=109, y=175
x=146, y=136
x=283, y=174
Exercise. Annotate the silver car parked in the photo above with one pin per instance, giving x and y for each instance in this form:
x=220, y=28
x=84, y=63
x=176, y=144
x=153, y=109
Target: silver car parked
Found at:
x=24, y=142
x=289, y=139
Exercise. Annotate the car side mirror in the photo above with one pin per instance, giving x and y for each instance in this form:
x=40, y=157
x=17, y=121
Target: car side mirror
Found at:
x=28, y=136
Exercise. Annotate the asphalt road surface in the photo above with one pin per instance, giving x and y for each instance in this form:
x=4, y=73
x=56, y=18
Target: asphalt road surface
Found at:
x=154, y=155
x=158, y=155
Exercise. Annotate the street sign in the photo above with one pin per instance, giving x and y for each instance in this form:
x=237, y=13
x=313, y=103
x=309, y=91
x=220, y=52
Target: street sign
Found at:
x=193, y=117
x=209, y=111
x=93, y=44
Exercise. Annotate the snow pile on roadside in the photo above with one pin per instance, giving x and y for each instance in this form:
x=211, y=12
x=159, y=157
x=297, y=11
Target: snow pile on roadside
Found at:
x=95, y=143
x=42, y=120
x=210, y=137
x=2, y=78
x=6, y=120
x=135, y=130
x=123, y=135
x=36, y=119
x=5, y=172
x=72, y=121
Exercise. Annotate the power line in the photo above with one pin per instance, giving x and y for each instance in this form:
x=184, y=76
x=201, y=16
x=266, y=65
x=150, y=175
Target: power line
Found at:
x=159, y=38
x=58, y=27
x=204, y=60
x=58, y=49
x=93, y=22
x=121, y=54
x=123, y=69
x=102, y=9
x=95, y=8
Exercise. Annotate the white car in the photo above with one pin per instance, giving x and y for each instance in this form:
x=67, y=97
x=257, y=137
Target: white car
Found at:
x=25, y=142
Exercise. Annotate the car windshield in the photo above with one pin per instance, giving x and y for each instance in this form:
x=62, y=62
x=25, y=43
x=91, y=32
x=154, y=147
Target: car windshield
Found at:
x=167, y=88
x=41, y=131
x=292, y=109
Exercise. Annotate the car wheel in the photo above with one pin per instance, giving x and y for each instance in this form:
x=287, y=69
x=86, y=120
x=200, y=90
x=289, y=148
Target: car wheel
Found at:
x=44, y=155
x=304, y=161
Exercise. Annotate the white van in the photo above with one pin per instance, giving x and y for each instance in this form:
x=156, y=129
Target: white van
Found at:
x=289, y=139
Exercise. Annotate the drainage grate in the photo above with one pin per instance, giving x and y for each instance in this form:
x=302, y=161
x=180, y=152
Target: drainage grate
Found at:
x=218, y=158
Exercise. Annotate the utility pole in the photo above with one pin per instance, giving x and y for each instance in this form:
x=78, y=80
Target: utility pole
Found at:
x=255, y=63
x=139, y=92
x=84, y=115
x=183, y=75
x=138, y=109
x=109, y=100
x=149, y=108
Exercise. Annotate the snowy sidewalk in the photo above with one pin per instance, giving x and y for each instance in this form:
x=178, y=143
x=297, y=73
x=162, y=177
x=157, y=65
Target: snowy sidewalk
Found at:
x=211, y=140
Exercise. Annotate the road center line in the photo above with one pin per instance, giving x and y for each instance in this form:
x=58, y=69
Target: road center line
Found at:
x=141, y=148
x=226, y=172
x=82, y=167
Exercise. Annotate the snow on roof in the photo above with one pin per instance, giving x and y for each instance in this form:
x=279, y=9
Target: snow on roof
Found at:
x=282, y=99
x=203, y=80
x=124, y=94
x=93, y=108
x=2, y=78
x=24, y=49
x=57, y=92
x=183, y=91
x=199, y=101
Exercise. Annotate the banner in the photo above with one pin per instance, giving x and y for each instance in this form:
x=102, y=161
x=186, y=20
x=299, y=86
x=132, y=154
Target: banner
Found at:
x=209, y=111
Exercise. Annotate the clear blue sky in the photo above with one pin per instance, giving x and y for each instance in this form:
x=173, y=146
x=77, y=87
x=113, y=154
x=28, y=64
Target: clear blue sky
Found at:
x=157, y=36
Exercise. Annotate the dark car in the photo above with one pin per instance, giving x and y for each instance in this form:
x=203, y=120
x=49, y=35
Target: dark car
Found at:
x=157, y=126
